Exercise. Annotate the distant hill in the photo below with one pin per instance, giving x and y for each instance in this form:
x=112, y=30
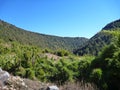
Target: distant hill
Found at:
x=95, y=44
x=9, y=32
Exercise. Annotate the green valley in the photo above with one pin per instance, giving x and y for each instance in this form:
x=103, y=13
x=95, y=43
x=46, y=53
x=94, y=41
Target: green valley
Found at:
x=63, y=60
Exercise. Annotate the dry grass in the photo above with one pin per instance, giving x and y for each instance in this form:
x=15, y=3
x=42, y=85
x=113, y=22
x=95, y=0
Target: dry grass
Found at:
x=78, y=86
x=36, y=85
x=1, y=85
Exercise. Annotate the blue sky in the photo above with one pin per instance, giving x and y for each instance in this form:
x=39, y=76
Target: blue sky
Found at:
x=67, y=18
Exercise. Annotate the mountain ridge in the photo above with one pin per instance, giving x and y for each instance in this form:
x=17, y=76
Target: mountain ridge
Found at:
x=95, y=44
x=9, y=32
x=77, y=45
x=112, y=25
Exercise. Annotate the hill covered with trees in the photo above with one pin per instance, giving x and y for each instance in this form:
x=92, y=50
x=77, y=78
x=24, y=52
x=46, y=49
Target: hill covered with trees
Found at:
x=10, y=32
x=27, y=60
x=112, y=25
x=95, y=44
x=78, y=45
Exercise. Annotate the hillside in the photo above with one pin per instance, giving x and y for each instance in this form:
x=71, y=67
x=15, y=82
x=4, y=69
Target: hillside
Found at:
x=25, y=62
x=10, y=32
x=98, y=41
x=112, y=25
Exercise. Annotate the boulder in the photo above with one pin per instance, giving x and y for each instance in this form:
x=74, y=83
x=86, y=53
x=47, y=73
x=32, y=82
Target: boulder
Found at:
x=52, y=88
x=4, y=75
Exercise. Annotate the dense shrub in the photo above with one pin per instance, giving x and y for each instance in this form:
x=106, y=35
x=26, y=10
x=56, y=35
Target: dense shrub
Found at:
x=109, y=62
x=29, y=62
x=96, y=75
x=62, y=53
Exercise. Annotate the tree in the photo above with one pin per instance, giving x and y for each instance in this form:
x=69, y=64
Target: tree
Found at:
x=109, y=62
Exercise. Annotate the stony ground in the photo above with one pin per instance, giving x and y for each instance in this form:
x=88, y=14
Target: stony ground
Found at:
x=17, y=83
x=9, y=82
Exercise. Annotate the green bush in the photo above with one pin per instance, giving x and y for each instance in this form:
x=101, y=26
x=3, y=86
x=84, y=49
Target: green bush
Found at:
x=96, y=75
x=109, y=62
x=20, y=72
x=30, y=73
x=62, y=53
x=84, y=69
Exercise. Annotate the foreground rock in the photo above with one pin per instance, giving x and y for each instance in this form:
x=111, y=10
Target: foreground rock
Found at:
x=17, y=83
x=9, y=82
x=52, y=88
x=3, y=76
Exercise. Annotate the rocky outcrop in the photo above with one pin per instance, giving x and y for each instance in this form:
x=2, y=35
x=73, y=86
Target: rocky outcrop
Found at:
x=9, y=82
x=15, y=83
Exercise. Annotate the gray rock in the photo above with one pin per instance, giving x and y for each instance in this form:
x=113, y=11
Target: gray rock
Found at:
x=4, y=75
x=52, y=88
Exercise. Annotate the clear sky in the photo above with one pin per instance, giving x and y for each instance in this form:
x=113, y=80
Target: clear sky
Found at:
x=67, y=18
